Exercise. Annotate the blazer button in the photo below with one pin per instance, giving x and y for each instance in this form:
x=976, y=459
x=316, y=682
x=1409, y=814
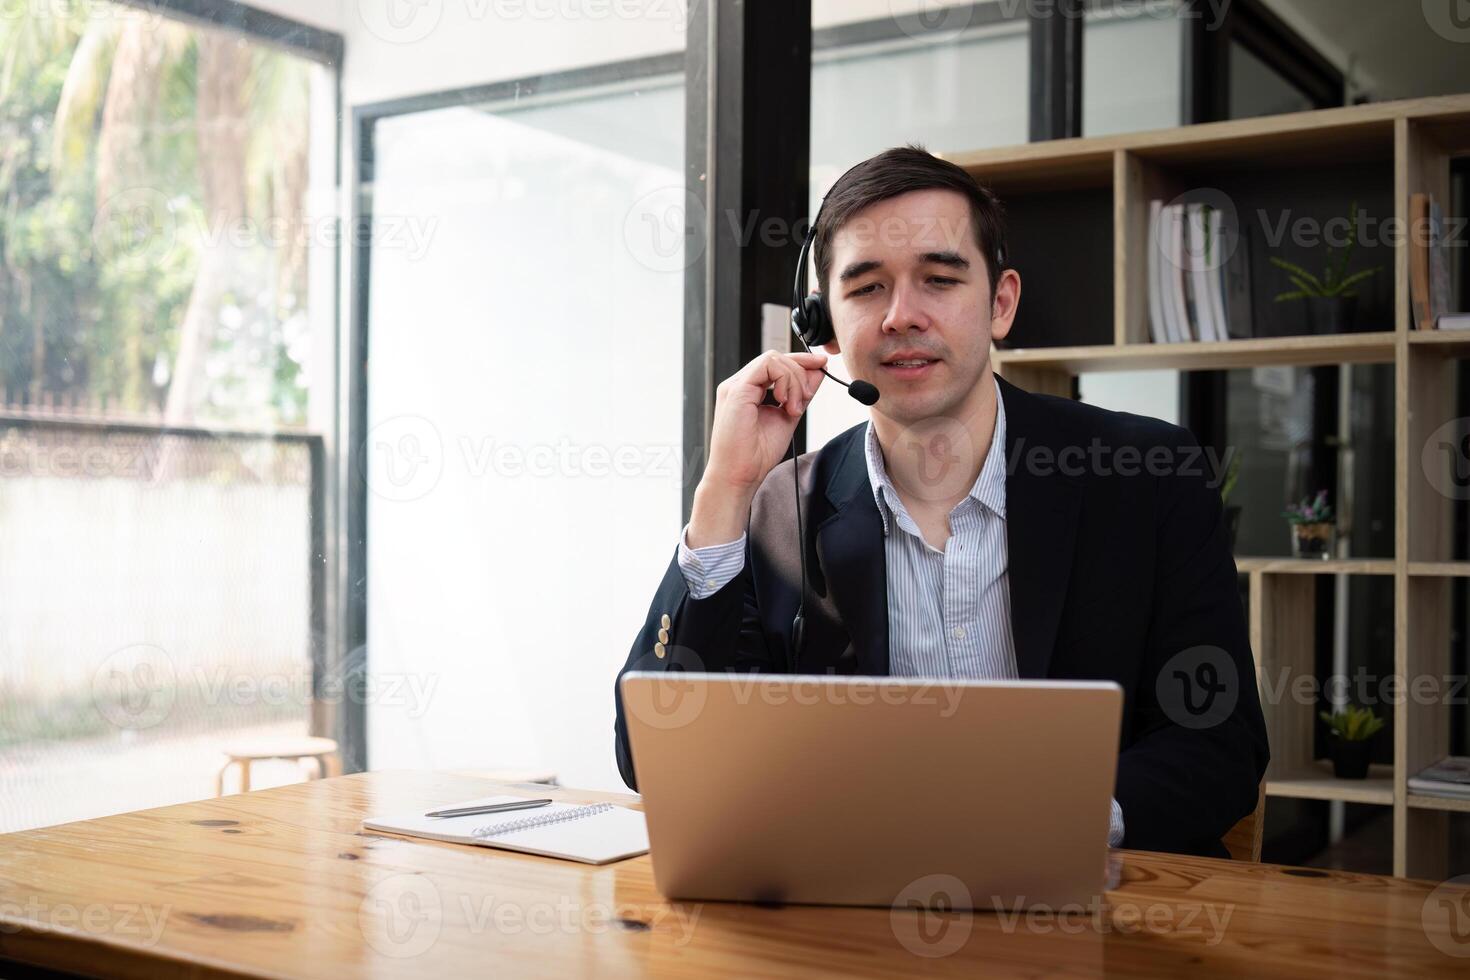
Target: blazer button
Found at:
x=665, y=621
x=658, y=650
x=663, y=636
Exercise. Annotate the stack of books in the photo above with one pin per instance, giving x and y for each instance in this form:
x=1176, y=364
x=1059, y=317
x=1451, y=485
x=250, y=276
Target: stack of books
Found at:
x=1449, y=776
x=1429, y=267
x=1199, y=279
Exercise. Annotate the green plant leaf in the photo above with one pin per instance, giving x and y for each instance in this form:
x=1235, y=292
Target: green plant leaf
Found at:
x=1291, y=267
x=1294, y=294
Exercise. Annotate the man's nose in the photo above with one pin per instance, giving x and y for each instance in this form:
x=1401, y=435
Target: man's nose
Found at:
x=907, y=310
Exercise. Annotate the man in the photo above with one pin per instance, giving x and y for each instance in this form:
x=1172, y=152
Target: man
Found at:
x=969, y=529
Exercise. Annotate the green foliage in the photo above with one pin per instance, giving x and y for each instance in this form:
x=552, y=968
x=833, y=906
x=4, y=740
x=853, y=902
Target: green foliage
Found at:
x=83, y=319
x=1232, y=475
x=1333, y=281
x=1312, y=510
x=1352, y=723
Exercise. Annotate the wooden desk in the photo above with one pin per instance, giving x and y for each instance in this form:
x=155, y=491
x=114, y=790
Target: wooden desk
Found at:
x=283, y=882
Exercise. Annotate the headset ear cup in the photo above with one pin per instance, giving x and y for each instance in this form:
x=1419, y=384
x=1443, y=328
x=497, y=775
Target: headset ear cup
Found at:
x=816, y=327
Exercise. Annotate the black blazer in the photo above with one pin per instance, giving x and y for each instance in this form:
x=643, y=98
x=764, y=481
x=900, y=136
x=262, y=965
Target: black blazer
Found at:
x=1120, y=569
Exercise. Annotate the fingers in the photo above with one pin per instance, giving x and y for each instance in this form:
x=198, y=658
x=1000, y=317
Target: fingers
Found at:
x=787, y=375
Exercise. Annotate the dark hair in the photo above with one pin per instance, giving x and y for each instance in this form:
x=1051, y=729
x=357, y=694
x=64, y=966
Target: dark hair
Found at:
x=900, y=170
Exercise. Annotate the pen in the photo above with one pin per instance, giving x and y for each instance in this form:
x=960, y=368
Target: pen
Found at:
x=465, y=811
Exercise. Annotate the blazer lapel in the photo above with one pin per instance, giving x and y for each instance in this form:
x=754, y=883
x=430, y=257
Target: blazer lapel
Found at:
x=851, y=558
x=1041, y=529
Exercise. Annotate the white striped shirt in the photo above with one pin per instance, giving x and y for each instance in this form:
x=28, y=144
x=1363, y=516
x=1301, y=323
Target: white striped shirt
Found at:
x=965, y=588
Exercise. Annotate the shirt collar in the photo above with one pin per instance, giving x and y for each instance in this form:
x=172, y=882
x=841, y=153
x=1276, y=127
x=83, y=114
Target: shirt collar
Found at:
x=989, y=489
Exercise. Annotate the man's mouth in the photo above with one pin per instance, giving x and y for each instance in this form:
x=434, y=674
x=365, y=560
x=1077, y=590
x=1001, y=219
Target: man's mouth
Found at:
x=909, y=364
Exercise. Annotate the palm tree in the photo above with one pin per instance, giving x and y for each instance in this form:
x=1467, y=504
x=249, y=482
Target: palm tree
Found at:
x=111, y=129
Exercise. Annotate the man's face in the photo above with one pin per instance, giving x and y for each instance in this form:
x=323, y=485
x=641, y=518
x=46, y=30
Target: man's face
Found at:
x=912, y=311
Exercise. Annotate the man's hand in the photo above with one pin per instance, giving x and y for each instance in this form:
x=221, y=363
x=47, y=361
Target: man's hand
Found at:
x=749, y=439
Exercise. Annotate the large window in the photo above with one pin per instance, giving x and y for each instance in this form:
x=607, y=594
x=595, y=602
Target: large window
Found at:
x=166, y=363
x=524, y=395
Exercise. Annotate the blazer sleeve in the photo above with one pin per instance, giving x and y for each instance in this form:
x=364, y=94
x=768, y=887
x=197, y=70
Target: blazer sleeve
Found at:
x=1200, y=750
x=721, y=632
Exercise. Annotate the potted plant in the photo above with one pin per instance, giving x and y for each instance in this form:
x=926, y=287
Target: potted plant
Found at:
x=1352, y=729
x=1313, y=531
x=1232, y=514
x=1332, y=300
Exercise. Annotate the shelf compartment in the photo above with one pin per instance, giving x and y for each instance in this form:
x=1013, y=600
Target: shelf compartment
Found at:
x=1318, y=783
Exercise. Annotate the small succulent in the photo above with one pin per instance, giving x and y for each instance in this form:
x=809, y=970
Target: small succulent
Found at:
x=1334, y=281
x=1312, y=510
x=1352, y=724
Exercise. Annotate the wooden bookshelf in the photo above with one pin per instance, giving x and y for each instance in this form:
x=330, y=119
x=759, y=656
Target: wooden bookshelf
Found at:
x=1382, y=154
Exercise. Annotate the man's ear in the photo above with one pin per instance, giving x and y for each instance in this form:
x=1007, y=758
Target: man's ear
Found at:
x=832, y=347
x=1004, y=304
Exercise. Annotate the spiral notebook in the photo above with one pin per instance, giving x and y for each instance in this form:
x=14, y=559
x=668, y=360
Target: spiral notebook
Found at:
x=593, y=834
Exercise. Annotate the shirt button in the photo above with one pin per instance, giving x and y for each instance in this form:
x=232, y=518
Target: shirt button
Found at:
x=958, y=632
x=709, y=583
x=665, y=621
x=658, y=650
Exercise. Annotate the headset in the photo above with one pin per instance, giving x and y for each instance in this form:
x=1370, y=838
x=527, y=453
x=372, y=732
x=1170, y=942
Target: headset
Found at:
x=811, y=321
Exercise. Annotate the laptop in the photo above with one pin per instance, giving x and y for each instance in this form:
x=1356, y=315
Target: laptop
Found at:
x=878, y=791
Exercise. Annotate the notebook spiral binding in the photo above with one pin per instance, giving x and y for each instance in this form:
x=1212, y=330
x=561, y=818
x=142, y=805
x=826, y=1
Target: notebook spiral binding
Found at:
x=544, y=820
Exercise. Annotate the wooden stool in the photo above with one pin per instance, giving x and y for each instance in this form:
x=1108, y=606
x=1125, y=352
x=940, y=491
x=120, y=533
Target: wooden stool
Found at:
x=320, y=752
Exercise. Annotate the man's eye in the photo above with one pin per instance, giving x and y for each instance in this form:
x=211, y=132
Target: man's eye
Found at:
x=865, y=290
x=944, y=280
